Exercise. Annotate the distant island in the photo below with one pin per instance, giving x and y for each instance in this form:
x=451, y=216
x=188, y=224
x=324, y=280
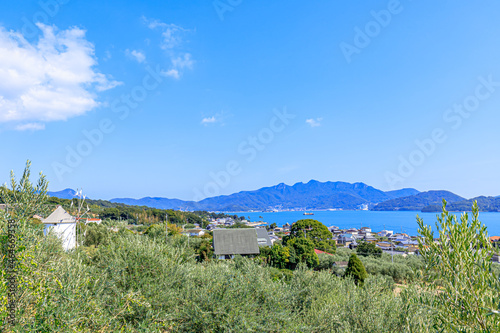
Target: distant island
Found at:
x=315, y=195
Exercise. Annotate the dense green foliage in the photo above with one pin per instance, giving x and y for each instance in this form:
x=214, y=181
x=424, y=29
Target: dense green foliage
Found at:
x=368, y=249
x=96, y=235
x=356, y=270
x=302, y=251
x=138, y=284
x=140, y=215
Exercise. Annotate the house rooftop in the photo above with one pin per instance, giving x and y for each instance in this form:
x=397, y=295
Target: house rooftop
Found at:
x=263, y=238
x=59, y=216
x=235, y=241
x=321, y=252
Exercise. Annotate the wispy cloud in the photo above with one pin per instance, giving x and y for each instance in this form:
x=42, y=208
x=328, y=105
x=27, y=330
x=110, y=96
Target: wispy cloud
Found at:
x=314, y=122
x=178, y=64
x=288, y=168
x=184, y=61
x=139, y=56
x=49, y=80
x=30, y=127
x=170, y=32
x=171, y=39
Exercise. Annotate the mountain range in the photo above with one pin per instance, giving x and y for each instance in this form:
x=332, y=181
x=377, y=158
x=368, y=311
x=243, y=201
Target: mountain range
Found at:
x=315, y=195
x=64, y=194
x=300, y=196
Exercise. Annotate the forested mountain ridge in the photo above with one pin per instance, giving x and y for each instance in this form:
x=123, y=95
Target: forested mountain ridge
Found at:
x=300, y=196
x=418, y=201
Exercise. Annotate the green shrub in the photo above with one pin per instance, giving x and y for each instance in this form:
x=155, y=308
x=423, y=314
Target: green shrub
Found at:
x=96, y=234
x=325, y=261
x=356, y=270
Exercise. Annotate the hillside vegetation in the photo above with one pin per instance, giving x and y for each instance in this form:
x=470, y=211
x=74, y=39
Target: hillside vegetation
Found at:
x=485, y=204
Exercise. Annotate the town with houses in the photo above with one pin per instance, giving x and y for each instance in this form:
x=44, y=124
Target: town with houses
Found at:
x=387, y=240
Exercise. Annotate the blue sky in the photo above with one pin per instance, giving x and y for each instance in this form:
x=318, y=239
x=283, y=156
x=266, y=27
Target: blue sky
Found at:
x=191, y=99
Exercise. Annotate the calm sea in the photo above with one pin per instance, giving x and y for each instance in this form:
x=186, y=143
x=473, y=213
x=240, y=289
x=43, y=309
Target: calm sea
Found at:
x=396, y=221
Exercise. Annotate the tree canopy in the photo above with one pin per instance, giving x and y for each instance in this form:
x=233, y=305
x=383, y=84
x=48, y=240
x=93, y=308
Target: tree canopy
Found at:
x=317, y=232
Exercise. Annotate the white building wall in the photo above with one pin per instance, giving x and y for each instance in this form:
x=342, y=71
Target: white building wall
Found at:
x=65, y=231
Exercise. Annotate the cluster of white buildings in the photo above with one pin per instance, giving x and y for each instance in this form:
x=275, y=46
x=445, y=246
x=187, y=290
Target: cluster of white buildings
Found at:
x=225, y=221
x=386, y=240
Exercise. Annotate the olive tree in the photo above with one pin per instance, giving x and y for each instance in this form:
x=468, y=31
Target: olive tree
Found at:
x=25, y=199
x=458, y=271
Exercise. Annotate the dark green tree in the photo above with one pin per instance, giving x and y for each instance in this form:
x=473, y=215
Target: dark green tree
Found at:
x=356, y=270
x=315, y=231
x=110, y=213
x=329, y=246
x=202, y=247
x=280, y=256
x=302, y=250
x=272, y=226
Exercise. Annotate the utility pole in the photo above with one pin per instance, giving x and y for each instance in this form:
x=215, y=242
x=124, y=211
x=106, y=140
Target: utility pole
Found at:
x=392, y=253
x=166, y=227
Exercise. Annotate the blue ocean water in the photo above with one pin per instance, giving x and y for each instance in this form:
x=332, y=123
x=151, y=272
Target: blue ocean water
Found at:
x=396, y=221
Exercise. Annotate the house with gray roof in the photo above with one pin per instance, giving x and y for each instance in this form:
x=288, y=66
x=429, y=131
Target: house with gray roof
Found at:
x=263, y=238
x=345, y=239
x=230, y=242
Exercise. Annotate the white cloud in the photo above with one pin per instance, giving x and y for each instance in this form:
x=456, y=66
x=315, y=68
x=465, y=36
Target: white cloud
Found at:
x=182, y=62
x=139, y=56
x=179, y=64
x=208, y=120
x=30, y=127
x=219, y=118
x=53, y=79
x=172, y=73
x=314, y=122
